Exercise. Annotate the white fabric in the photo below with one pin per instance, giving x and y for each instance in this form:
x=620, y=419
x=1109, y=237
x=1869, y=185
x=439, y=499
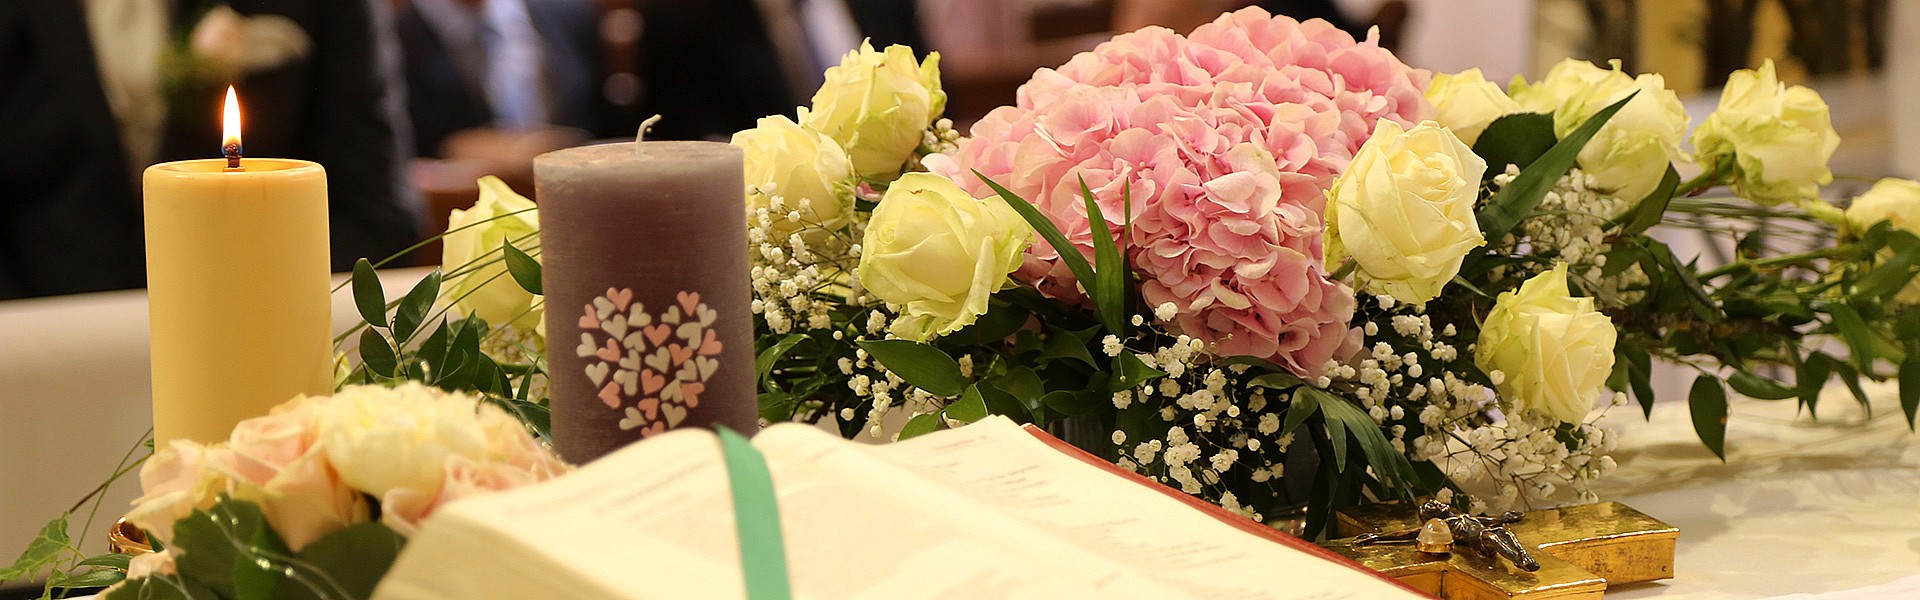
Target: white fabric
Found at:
x=1799, y=506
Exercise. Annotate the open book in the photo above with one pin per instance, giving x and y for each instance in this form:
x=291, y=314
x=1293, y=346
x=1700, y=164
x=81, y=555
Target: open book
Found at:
x=990, y=510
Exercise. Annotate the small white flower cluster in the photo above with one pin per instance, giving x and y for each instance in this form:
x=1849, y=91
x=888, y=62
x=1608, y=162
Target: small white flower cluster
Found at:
x=942, y=137
x=1458, y=432
x=1572, y=227
x=790, y=275
x=1214, y=424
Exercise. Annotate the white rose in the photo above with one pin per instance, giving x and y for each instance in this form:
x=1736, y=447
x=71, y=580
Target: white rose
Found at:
x=1631, y=153
x=939, y=254
x=807, y=169
x=1896, y=201
x=1403, y=210
x=1555, y=350
x=475, y=236
x=1779, y=138
x=878, y=106
x=1467, y=103
x=380, y=439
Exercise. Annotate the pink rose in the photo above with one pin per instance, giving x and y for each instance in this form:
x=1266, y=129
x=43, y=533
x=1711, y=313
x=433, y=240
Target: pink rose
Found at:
x=173, y=483
x=274, y=461
x=403, y=509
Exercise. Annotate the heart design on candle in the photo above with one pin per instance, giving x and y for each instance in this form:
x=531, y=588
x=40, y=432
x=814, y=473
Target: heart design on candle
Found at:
x=654, y=390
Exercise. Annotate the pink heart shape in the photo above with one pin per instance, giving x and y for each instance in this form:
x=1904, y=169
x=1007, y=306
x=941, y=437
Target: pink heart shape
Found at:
x=688, y=300
x=691, y=392
x=611, y=395
x=659, y=333
x=651, y=406
x=680, y=354
x=589, y=320
x=657, y=428
x=620, y=298
x=610, y=352
x=711, y=345
x=651, y=382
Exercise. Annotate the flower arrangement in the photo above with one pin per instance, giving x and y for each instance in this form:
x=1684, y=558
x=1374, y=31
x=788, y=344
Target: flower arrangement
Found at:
x=1426, y=285
x=319, y=495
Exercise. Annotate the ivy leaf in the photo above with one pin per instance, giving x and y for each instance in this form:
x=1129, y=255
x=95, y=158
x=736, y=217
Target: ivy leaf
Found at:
x=40, y=552
x=367, y=294
x=1707, y=402
x=525, y=270
x=413, y=309
x=920, y=425
x=924, y=366
x=1515, y=139
x=377, y=354
x=97, y=578
x=1517, y=199
x=345, y=564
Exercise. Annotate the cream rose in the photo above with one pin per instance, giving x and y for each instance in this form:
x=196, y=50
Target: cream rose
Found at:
x=1896, y=201
x=1778, y=138
x=1631, y=153
x=173, y=483
x=1553, y=351
x=1467, y=103
x=1403, y=210
x=274, y=462
x=805, y=168
x=878, y=105
x=474, y=236
x=381, y=439
x=939, y=254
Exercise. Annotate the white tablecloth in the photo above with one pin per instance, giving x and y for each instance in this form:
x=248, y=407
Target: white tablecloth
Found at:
x=1798, y=507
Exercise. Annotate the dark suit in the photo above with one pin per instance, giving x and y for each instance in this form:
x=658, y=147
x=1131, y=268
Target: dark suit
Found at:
x=70, y=218
x=445, y=89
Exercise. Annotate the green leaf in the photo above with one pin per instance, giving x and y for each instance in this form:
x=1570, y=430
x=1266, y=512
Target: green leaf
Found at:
x=763, y=364
x=926, y=367
x=1812, y=377
x=158, y=587
x=1303, y=406
x=920, y=425
x=1651, y=210
x=376, y=353
x=1130, y=372
x=1708, y=404
x=1389, y=465
x=525, y=270
x=345, y=564
x=1002, y=319
x=1023, y=384
x=97, y=578
x=111, y=561
x=367, y=294
x=1074, y=404
x=1004, y=403
x=1701, y=303
x=1853, y=330
x=216, y=537
x=1755, y=386
x=1069, y=253
x=1516, y=139
x=1064, y=345
x=1109, y=288
x=1639, y=376
x=1910, y=386
x=971, y=407
x=1851, y=378
x=413, y=309
x=1517, y=199
x=40, y=552
x=1278, y=381
x=777, y=406
x=433, y=350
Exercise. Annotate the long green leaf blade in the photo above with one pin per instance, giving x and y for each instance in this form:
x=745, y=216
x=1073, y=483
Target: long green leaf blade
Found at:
x=1069, y=253
x=1108, y=289
x=1518, y=199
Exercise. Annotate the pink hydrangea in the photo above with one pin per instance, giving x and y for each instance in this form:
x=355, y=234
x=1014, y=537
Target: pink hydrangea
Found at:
x=1226, y=140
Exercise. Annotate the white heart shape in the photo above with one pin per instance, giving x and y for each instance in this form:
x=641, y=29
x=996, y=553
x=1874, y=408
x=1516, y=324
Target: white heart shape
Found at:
x=691, y=333
x=672, y=317
x=707, y=365
x=707, y=315
x=598, y=373
x=614, y=327
x=672, y=392
x=603, y=307
x=634, y=419
x=587, y=347
x=640, y=317
x=675, y=414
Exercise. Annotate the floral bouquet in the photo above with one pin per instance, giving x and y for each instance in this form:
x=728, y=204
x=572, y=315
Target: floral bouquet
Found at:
x=1271, y=265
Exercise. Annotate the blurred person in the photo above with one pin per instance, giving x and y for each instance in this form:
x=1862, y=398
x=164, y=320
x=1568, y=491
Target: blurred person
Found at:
x=93, y=91
x=497, y=69
x=1185, y=15
x=713, y=67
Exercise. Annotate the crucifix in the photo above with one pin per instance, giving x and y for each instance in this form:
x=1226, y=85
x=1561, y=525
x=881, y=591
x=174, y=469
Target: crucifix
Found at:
x=1578, y=550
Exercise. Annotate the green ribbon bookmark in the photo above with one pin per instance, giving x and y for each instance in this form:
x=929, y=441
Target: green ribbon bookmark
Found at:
x=756, y=516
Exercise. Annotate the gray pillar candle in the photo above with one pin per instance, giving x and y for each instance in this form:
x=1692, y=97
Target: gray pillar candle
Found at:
x=648, y=329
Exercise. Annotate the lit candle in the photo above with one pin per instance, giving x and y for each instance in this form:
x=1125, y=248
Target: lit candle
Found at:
x=648, y=327
x=237, y=287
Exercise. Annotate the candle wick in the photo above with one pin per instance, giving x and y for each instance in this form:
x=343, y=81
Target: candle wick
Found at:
x=645, y=126
x=232, y=151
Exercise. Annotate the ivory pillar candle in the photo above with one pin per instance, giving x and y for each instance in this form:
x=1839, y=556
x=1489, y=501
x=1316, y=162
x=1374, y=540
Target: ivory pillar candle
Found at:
x=647, y=291
x=237, y=288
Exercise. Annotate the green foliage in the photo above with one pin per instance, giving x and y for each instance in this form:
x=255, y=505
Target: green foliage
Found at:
x=1516, y=139
x=367, y=295
x=345, y=564
x=1707, y=402
x=1109, y=307
x=1516, y=200
x=1651, y=210
x=924, y=366
x=525, y=270
x=41, y=552
x=236, y=554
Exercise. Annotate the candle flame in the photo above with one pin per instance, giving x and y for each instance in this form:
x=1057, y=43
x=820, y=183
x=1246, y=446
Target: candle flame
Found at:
x=230, y=141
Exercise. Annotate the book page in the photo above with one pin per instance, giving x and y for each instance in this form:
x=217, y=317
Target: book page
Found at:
x=1139, y=529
